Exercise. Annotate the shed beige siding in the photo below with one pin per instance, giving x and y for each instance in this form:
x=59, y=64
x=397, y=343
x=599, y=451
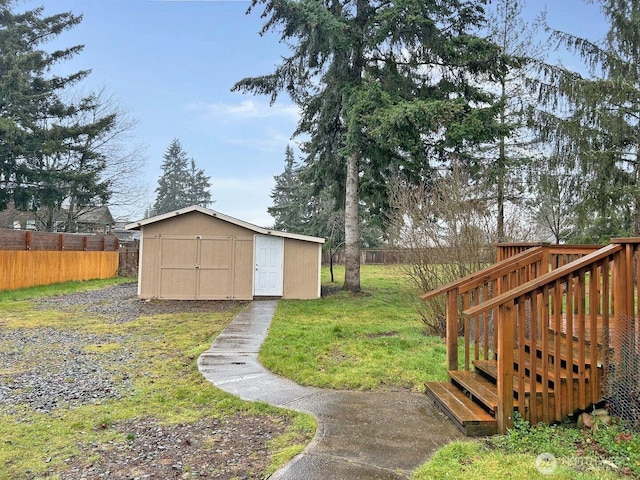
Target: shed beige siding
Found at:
x=196, y=256
x=301, y=269
x=196, y=223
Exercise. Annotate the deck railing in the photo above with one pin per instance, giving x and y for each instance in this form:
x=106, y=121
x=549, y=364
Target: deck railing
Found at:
x=556, y=325
x=546, y=315
x=517, y=264
x=561, y=330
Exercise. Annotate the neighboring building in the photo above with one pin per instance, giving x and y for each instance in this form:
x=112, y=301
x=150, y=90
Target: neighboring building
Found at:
x=125, y=236
x=98, y=220
x=199, y=254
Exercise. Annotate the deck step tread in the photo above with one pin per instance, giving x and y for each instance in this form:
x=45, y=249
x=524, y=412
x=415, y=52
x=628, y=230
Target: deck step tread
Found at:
x=468, y=415
x=490, y=368
x=563, y=351
x=479, y=387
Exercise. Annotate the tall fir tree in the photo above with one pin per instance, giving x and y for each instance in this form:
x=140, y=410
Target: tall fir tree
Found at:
x=181, y=184
x=172, y=184
x=198, y=186
x=289, y=207
x=594, y=117
x=48, y=143
x=501, y=167
x=383, y=87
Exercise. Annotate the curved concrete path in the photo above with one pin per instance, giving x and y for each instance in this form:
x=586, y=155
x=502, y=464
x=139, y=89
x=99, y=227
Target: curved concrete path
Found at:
x=361, y=435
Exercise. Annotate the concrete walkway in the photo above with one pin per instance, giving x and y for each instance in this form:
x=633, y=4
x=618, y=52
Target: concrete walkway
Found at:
x=361, y=435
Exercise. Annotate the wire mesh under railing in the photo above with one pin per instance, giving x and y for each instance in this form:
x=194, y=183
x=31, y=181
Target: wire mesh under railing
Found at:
x=621, y=382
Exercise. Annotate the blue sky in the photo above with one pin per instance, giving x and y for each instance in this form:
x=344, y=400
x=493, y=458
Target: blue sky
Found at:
x=172, y=64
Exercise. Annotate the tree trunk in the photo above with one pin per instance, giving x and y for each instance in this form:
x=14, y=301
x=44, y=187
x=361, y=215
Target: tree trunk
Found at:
x=351, y=227
x=331, y=264
x=502, y=162
x=636, y=219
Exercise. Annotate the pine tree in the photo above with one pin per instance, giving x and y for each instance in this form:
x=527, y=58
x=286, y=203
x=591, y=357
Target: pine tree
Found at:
x=181, y=184
x=49, y=144
x=502, y=165
x=198, y=186
x=557, y=195
x=289, y=201
x=598, y=124
x=383, y=87
x=172, y=184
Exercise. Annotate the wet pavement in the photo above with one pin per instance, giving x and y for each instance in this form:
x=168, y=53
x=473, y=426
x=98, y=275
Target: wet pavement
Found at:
x=361, y=435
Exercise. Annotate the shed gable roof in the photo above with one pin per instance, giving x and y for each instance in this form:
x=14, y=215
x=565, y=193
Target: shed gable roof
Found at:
x=223, y=217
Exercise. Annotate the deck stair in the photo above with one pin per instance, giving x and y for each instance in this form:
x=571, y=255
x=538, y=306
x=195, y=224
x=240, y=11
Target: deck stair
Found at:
x=468, y=415
x=538, y=333
x=470, y=398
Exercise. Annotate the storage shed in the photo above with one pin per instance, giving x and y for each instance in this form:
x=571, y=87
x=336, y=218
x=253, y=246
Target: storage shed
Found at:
x=199, y=254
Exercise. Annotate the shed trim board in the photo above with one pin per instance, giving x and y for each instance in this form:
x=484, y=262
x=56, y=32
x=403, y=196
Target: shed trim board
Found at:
x=212, y=213
x=140, y=257
x=199, y=254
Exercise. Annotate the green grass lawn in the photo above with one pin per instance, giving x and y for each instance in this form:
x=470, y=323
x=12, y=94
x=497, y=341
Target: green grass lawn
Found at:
x=375, y=340
x=166, y=386
x=369, y=341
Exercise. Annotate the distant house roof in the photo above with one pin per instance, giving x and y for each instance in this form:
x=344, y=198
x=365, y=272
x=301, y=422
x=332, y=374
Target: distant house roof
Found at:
x=100, y=215
x=223, y=217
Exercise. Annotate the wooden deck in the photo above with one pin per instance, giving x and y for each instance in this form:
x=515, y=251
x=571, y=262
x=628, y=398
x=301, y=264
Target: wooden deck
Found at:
x=541, y=328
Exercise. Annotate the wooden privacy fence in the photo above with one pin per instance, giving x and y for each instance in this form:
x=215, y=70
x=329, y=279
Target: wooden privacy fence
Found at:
x=129, y=260
x=386, y=256
x=30, y=258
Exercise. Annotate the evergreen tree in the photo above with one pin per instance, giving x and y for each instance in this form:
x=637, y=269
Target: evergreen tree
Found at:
x=289, y=201
x=500, y=167
x=598, y=122
x=172, y=184
x=47, y=143
x=181, y=184
x=300, y=207
x=382, y=87
x=198, y=186
x=556, y=198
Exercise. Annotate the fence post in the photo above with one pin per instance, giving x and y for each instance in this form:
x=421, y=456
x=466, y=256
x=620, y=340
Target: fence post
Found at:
x=623, y=298
x=452, y=328
x=60, y=241
x=28, y=240
x=545, y=260
x=506, y=331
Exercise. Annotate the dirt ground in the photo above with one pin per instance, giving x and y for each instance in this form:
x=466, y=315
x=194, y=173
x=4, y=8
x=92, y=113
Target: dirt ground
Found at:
x=212, y=448
x=228, y=448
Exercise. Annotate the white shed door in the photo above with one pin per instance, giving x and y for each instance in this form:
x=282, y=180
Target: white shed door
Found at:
x=268, y=259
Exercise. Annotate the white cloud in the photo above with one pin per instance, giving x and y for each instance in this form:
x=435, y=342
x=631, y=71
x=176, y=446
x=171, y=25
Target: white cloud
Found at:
x=247, y=109
x=267, y=141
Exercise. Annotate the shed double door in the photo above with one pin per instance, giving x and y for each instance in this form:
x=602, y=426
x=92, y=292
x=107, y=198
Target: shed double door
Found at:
x=202, y=267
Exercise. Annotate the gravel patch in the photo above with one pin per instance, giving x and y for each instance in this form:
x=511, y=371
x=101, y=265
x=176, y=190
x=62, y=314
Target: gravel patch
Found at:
x=234, y=448
x=46, y=368
x=118, y=303
x=43, y=369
